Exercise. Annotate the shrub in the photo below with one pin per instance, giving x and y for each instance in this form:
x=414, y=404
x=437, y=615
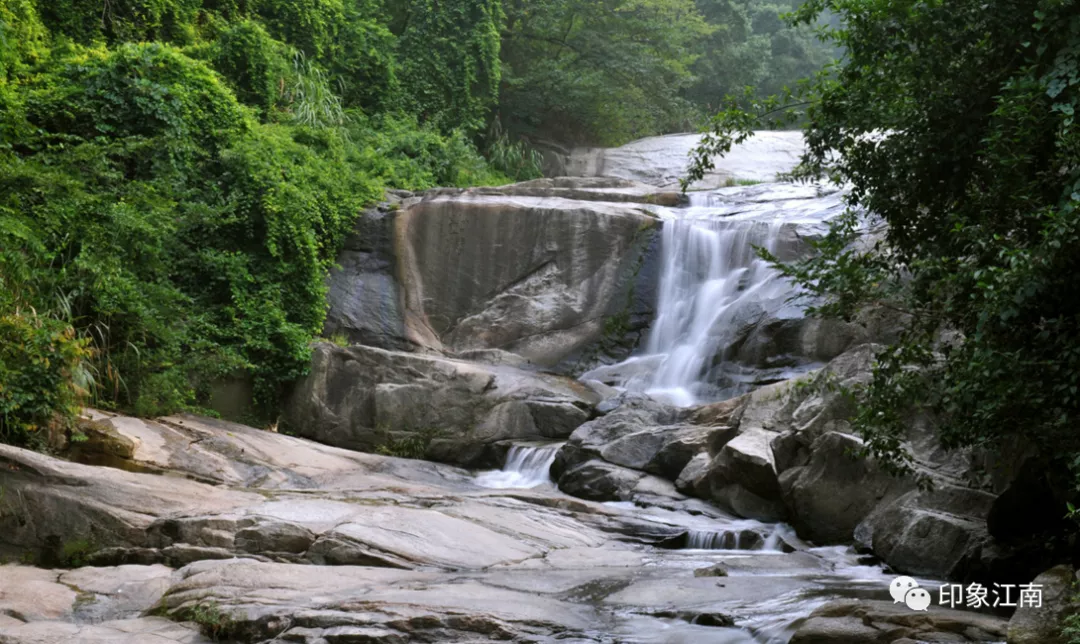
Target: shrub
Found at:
x=42, y=368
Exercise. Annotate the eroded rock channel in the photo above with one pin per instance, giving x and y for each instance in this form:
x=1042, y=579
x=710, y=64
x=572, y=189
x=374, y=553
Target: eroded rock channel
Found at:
x=667, y=453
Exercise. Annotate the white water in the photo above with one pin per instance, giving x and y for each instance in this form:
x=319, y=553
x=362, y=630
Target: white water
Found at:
x=527, y=465
x=714, y=287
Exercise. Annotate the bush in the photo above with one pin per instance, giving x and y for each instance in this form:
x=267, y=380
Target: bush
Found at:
x=408, y=156
x=254, y=64
x=86, y=21
x=42, y=365
x=155, y=237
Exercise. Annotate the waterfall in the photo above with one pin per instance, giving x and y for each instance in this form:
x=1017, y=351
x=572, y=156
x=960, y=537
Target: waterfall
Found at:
x=764, y=537
x=527, y=465
x=711, y=275
x=714, y=289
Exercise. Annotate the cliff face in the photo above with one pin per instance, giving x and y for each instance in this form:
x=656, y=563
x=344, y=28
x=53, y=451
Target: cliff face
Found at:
x=538, y=269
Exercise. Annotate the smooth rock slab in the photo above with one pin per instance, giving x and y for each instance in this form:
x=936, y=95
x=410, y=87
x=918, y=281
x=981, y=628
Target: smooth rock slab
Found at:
x=364, y=398
x=143, y=630
x=663, y=160
x=883, y=622
x=264, y=600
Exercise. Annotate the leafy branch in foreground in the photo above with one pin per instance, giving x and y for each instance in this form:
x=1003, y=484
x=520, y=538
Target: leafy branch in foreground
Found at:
x=735, y=124
x=954, y=124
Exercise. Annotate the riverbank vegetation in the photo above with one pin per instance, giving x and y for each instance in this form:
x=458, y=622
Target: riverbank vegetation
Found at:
x=955, y=125
x=177, y=176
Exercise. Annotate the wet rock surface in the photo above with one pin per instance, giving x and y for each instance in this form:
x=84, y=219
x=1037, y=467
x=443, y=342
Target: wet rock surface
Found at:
x=253, y=536
x=462, y=306
x=785, y=452
x=874, y=622
x=663, y=160
x=553, y=270
x=449, y=410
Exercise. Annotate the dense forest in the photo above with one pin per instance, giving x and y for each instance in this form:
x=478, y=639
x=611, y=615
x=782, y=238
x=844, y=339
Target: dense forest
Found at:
x=965, y=168
x=177, y=176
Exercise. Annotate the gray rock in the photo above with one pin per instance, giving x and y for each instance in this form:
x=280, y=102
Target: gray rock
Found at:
x=539, y=276
x=834, y=492
x=640, y=434
x=357, y=397
x=363, y=295
x=597, y=480
x=663, y=160
x=274, y=536
x=1044, y=624
x=881, y=622
x=936, y=533
x=87, y=605
x=743, y=476
x=715, y=570
x=345, y=603
x=693, y=480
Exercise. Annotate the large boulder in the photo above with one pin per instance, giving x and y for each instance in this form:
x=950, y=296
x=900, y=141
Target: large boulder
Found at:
x=605, y=457
x=262, y=506
x=1044, y=624
x=553, y=270
x=882, y=622
x=743, y=476
x=830, y=495
x=449, y=410
x=663, y=160
x=938, y=532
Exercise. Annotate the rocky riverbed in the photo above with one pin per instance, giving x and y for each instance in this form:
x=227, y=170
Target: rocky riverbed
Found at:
x=216, y=529
x=620, y=428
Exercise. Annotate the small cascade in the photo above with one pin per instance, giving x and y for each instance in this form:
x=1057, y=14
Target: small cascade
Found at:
x=713, y=284
x=527, y=465
x=765, y=538
x=724, y=540
x=714, y=289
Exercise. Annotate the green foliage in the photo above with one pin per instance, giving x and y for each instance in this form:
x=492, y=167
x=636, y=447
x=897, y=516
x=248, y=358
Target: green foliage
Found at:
x=600, y=72
x=516, y=159
x=413, y=446
x=1071, y=630
x=309, y=25
x=87, y=21
x=606, y=72
x=362, y=63
x=450, y=61
x=177, y=176
x=23, y=38
x=253, y=63
x=212, y=621
x=754, y=46
x=76, y=553
x=406, y=155
x=311, y=99
x=42, y=362
x=954, y=124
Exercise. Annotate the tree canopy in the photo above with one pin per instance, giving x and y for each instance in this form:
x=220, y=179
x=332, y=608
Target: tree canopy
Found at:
x=177, y=176
x=954, y=126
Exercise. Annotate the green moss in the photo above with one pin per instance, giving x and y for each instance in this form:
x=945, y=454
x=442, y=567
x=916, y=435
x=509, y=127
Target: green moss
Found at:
x=76, y=553
x=212, y=621
x=414, y=445
x=731, y=182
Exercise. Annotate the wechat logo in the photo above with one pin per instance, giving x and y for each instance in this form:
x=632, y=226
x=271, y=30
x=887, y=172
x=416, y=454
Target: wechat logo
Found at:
x=905, y=590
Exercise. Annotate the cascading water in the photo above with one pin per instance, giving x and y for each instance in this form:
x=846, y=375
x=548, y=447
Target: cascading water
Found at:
x=527, y=465
x=714, y=288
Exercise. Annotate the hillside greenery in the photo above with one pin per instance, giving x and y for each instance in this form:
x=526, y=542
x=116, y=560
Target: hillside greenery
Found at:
x=177, y=176
x=955, y=125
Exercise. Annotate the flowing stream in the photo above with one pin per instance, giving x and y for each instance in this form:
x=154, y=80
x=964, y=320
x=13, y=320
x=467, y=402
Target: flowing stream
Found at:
x=527, y=465
x=714, y=290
